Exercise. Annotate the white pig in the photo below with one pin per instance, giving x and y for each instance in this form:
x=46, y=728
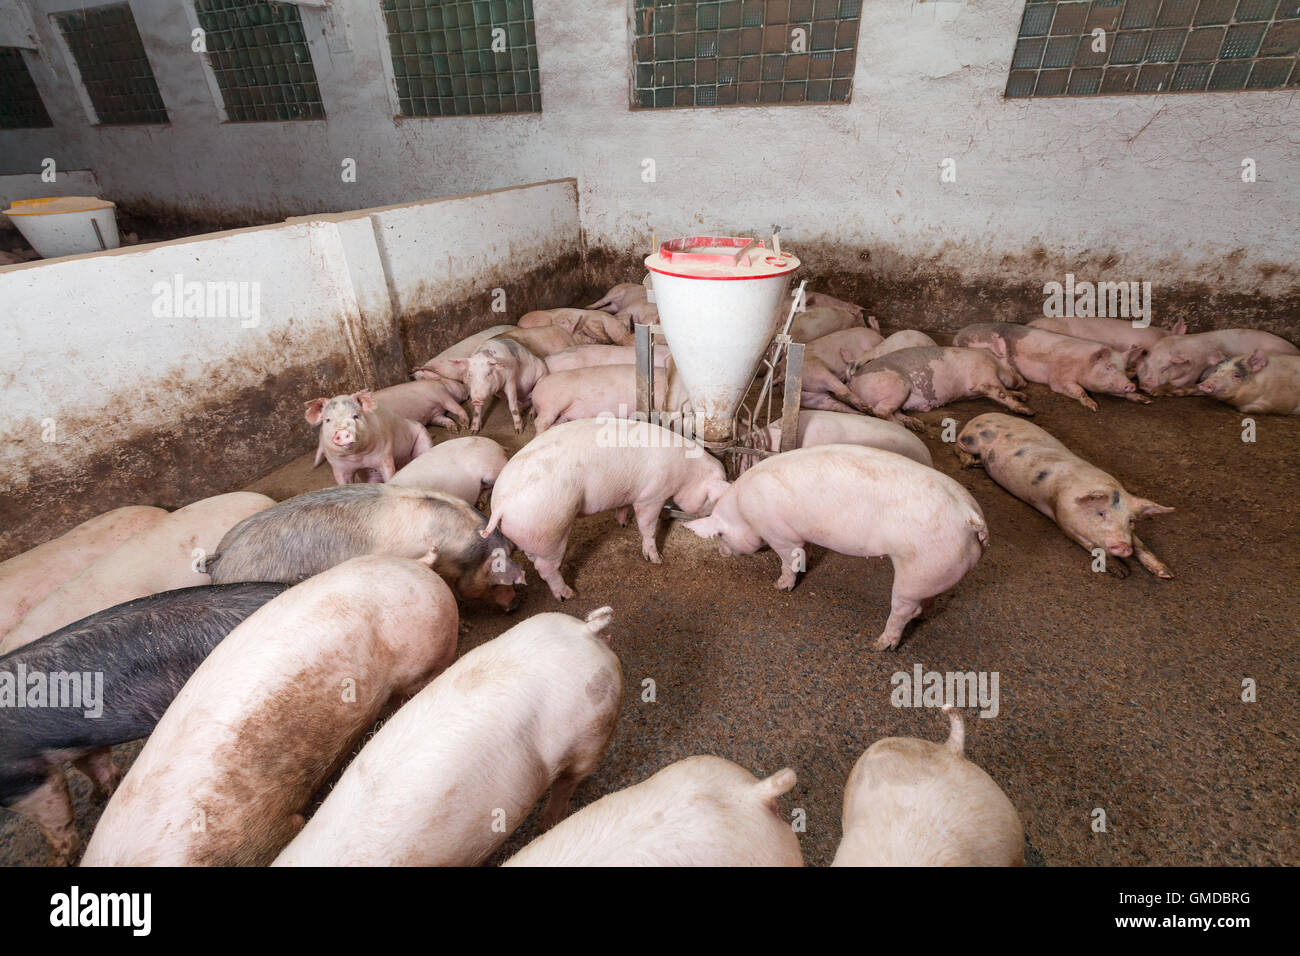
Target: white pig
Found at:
x=1257, y=382
x=586, y=356
x=462, y=467
x=593, y=465
x=1090, y=506
x=168, y=553
x=620, y=297
x=859, y=501
x=842, y=428
x=912, y=802
x=270, y=714
x=1175, y=364
x=904, y=339
x=454, y=772
x=357, y=433
x=701, y=811
x=462, y=349
x=27, y=578
x=591, y=392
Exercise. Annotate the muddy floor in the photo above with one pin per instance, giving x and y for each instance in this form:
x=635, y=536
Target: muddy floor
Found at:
x=1117, y=695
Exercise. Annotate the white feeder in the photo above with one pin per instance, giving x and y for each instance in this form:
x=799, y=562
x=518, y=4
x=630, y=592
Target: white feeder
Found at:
x=65, y=225
x=719, y=300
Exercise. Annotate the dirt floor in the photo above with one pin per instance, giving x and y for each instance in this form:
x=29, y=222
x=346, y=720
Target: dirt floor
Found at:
x=1123, y=695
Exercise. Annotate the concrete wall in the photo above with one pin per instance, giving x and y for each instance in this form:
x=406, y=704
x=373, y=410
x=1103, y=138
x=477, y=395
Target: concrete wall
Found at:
x=116, y=391
x=1137, y=187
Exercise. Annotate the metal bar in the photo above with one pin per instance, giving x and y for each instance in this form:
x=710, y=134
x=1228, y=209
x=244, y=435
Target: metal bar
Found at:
x=793, y=391
x=645, y=371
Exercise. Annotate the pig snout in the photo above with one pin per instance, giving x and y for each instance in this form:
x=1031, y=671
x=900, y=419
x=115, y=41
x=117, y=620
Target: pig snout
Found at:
x=1120, y=549
x=344, y=437
x=1207, y=387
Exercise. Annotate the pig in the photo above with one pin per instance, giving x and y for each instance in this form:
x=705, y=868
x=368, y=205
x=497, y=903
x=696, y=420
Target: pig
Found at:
x=462, y=349
x=588, y=326
x=921, y=379
x=320, y=529
x=815, y=300
x=640, y=313
x=839, y=350
x=858, y=501
x=454, y=772
x=1257, y=382
x=620, y=297
x=462, y=467
x=701, y=811
x=591, y=392
x=169, y=553
x=586, y=356
x=911, y=802
x=500, y=365
x=1174, y=365
x=357, y=433
x=145, y=651
x=822, y=388
x=273, y=711
x=1120, y=334
x=432, y=400
x=27, y=578
x=904, y=339
x=1068, y=366
x=543, y=341
x=593, y=465
x=821, y=320
x=838, y=428
x=1090, y=506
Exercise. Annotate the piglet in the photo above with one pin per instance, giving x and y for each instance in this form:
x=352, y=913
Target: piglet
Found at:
x=448, y=778
x=313, y=532
x=588, y=326
x=1174, y=365
x=585, y=356
x=925, y=378
x=226, y=776
x=592, y=465
x=839, y=428
x=814, y=300
x=462, y=467
x=132, y=660
x=859, y=501
x=432, y=400
x=171, y=552
x=1257, y=382
x=1119, y=334
x=1067, y=365
x=620, y=297
x=542, y=341
x=462, y=349
x=815, y=322
x=498, y=366
x=911, y=802
x=357, y=433
x=591, y=392
x=27, y=578
x=701, y=811
x=1090, y=506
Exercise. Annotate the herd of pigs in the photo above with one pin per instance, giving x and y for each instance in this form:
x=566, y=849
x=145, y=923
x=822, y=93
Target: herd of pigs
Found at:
x=255, y=643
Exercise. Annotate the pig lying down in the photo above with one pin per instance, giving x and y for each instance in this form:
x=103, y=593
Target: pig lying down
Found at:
x=701, y=811
x=141, y=654
x=1257, y=382
x=911, y=802
x=169, y=553
x=449, y=777
x=27, y=578
x=857, y=501
x=273, y=711
x=1174, y=365
x=433, y=400
x=818, y=321
x=586, y=356
x=591, y=392
x=1068, y=366
x=838, y=428
x=357, y=433
x=592, y=465
x=1090, y=506
x=1120, y=334
x=592, y=327
x=922, y=379
x=462, y=467
x=320, y=529
x=620, y=297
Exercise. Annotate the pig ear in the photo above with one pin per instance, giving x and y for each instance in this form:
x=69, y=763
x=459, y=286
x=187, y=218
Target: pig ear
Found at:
x=1256, y=360
x=871, y=321
x=1100, y=355
x=1092, y=496
x=314, y=410
x=999, y=346
x=1143, y=507
x=1179, y=328
x=1134, y=356
x=600, y=619
x=430, y=557
x=705, y=527
x=365, y=400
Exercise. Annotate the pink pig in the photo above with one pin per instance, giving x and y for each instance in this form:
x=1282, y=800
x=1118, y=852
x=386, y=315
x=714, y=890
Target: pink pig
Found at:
x=841, y=349
x=501, y=365
x=620, y=297
x=357, y=433
x=588, y=326
x=859, y=501
x=433, y=400
x=589, y=393
x=1174, y=365
x=586, y=356
x=1119, y=334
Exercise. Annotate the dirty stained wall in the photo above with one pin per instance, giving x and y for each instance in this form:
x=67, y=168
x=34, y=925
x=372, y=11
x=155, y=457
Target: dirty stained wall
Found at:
x=1114, y=187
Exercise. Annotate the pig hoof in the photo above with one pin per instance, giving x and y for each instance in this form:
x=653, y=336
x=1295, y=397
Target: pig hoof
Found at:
x=886, y=643
x=784, y=583
x=566, y=593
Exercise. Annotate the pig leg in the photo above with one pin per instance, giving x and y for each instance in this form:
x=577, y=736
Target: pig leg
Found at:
x=840, y=392
x=512, y=399
x=901, y=611
x=103, y=773
x=557, y=804
x=621, y=514
x=1149, y=560
x=342, y=473
x=1075, y=391
x=966, y=459
x=1137, y=397
x=823, y=402
x=647, y=522
x=49, y=806
x=444, y=421
x=1000, y=395
x=548, y=568
x=793, y=560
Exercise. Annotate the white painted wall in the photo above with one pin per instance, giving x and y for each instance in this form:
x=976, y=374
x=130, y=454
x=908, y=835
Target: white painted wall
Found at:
x=1153, y=181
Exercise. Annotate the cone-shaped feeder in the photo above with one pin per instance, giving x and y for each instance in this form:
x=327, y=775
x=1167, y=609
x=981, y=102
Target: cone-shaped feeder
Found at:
x=719, y=301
